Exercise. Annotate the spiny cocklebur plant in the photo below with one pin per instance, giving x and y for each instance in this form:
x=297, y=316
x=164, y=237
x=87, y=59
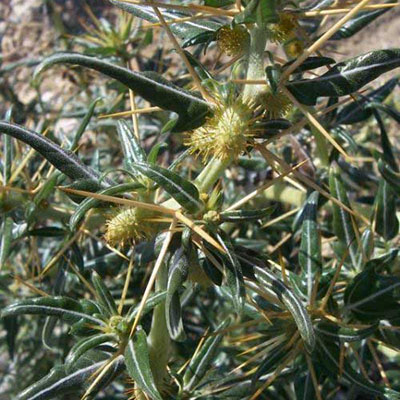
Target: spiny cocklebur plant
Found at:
x=245, y=245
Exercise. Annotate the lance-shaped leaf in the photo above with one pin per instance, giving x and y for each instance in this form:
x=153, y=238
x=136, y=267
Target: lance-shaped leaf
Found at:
x=310, y=259
x=63, y=307
x=138, y=364
x=6, y=239
x=359, y=111
x=192, y=110
x=103, y=295
x=309, y=64
x=200, y=363
x=334, y=332
x=390, y=176
x=386, y=221
x=329, y=356
x=133, y=152
x=59, y=381
x=246, y=215
x=233, y=272
x=387, y=150
x=346, y=77
x=86, y=344
x=151, y=302
x=57, y=290
x=371, y=296
x=64, y=160
x=187, y=30
x=359, y=22
x=292, y=303
x=343, y=224
x=183, y=191
x=177, y=275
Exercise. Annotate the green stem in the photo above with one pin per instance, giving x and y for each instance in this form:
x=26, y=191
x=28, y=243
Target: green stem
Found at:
x=211, y=173
x=255, y=68
x=158, y=340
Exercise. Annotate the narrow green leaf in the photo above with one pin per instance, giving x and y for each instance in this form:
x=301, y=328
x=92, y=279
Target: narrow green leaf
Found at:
x=151, y=302
x=346, y=77
x=185, y=30
x=335, y=332
x=138, y=364
x=192, y=110
x=387, y=149
x=183, y=191
x=292, y=303
x=390, y=176
x=246, y=215
x=371, y=296
x=103, y=294
x=233, y=272
x=177, y=274
x=386, y=221
x=358, y=110
x=60, y=382
x=200, y=363
x=64, y=160
x=343, y=223
x=309, y=64
x=359, y=22
x=86, y=344
x=133, y=152
x=63, y=307
x=328, y=353
x=6, y=239
x=310, y=258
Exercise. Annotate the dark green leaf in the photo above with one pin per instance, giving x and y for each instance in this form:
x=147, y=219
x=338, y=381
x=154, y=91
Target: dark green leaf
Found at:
x=293, y=304
x=151, y=302
x=233, y=272
x=133, y=152
x=335, y=332
x=359, y=111
x=391, y=176
x=343, y=223
x=309, y=64
x=64, y=160
x=346, y=77
x=86, y=344
x=6, y=240
x=138, y=364
x=245, y=215
x=60, y=382
x=359, y=22
x=328, y=353
x=177, y=275
x=310, y=258
x=192, y=110
x=386, y=221
x=200, y=363
x=184, y=192
x=103, y=295
x=184, y=30
x=371, y=296
x=63, y=307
